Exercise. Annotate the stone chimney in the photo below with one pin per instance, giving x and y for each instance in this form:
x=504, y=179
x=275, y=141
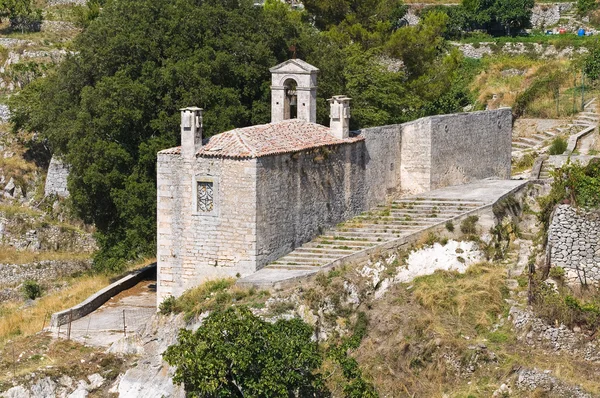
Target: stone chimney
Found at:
x=191, y=131
x=340, y=116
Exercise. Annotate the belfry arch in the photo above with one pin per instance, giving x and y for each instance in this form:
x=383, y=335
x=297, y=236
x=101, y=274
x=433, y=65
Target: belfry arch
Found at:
x=294, y=91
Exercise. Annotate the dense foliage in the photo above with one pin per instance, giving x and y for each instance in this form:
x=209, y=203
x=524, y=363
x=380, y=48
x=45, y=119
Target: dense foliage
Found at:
x=236, y=354
x=114, y=103
x=22, y=14
x=498, y=17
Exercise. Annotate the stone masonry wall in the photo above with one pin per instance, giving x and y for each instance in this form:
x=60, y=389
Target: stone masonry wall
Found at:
x=300, y=195
x=574, y=243
x=470, y=146
x=415, y=173
x=383, y=158
x=56, y=178
x=266, y=207
x=191, y=246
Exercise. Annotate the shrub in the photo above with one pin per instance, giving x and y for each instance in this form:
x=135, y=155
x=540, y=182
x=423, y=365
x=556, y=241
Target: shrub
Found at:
x=256, y=357
x=557, y=273
x=469, y=225
x=450, y=226
x=168, y=306
x=31, y=289
x=558, y=147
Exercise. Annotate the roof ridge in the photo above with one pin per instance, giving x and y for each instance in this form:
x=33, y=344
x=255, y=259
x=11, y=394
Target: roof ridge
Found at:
x=238, y=135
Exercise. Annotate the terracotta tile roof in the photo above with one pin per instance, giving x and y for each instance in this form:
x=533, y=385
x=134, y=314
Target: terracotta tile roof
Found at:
x=268, y=139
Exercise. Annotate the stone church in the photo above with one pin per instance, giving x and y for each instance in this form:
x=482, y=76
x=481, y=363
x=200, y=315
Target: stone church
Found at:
x=230, y=204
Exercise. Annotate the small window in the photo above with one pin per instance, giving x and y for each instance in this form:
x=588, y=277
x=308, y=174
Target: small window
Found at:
x=205, y=196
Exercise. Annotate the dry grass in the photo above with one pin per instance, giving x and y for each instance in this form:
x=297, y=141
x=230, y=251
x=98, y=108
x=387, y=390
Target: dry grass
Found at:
x=498, y=85
x=9, y=255
x=17, y=320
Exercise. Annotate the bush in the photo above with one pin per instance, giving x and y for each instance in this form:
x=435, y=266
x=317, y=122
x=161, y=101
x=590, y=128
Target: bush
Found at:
x=31, y=289
x=557, y=273
x=450, y=226
x=256, y=357
x=558, y=147
x=469, y=225
x=168, y=306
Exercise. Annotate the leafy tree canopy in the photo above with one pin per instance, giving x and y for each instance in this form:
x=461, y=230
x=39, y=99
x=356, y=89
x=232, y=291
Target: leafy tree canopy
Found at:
x=22, y=14
x=236, y=354
x=510, y=15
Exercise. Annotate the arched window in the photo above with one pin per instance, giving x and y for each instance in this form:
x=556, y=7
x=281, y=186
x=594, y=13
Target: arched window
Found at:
x=290, y=106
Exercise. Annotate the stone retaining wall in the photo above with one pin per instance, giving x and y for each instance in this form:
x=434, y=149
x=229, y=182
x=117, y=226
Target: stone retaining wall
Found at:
x=56, y=179
x=574, y=243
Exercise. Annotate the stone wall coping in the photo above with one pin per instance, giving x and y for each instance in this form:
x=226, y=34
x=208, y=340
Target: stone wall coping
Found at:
x=94, y=301
x=574, y=139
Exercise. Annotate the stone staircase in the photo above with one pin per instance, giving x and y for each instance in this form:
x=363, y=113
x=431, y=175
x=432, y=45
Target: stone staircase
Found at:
x=384, y=228
x=401, y=218
x=588, y=117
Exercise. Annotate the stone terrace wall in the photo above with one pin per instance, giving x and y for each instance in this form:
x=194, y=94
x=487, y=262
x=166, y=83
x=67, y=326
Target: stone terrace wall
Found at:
x=574, y=242
x=470, y=146
x=56, y=179
x=193, y=247
x=300, y=195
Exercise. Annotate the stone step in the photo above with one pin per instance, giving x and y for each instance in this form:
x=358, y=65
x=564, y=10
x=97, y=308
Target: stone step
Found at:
x=520, y=145
x=549, y=134
x=441, y=206
x=541, y=137
x=564, y=129
x=529, y=141
x=332, y=241
x=585, y=117
x=295, y=257
x=364, y=233
x=326, y=249
x=579, y=122
x=437, y=202
x=291, y=267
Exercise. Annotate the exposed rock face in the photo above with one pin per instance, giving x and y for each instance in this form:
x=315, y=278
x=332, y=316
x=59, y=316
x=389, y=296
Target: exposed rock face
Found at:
x=544, y=15
x=479, y=50
x=574, y=243
x=65, y=387
x=152, y=376
x=56, y=179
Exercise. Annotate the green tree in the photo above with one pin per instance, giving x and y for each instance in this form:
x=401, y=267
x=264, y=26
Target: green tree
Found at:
x=22, y=14
x=509, y=15
x=591, y=63
x=110, y=107
x=236, y=354
x=585, y=6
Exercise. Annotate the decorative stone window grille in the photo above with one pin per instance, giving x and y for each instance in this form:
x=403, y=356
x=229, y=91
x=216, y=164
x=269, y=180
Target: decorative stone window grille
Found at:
x=205, y=196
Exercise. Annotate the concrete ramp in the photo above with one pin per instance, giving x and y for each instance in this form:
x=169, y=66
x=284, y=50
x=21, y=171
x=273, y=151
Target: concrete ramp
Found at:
x=386, y=227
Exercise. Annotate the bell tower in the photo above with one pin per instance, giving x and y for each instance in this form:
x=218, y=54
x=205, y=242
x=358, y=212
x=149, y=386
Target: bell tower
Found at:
x=294, y=91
